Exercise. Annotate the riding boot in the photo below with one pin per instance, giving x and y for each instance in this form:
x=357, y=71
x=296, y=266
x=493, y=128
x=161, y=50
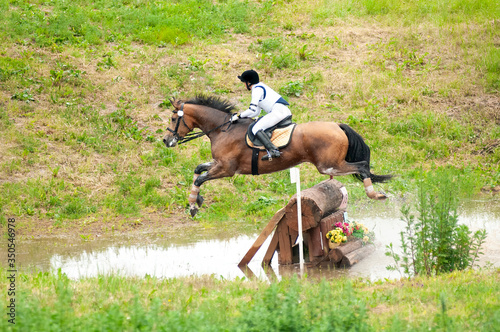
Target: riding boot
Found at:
x=272, y=150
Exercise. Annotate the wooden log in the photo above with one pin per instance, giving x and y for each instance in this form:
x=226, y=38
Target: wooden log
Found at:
x=273, y=246
x=332, y=219
x=316, y=202
x=247, y=271
x=314, y=244
x=311, y=215
x=355, y=256
x=262, y=237
x=324, y=229
x=337, y=254
x=285, y=246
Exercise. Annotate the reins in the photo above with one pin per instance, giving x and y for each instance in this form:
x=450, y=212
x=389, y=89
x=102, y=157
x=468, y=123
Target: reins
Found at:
x=191, y=136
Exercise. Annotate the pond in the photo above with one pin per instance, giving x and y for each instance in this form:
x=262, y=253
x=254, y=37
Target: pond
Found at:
x=174, y=255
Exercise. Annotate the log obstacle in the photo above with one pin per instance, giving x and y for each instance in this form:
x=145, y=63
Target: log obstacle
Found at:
x=322, y=206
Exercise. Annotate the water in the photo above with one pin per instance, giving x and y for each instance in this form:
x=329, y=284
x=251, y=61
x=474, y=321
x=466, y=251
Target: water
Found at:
x=169, y=256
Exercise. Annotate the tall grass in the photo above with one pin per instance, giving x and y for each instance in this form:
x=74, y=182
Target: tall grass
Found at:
x=434, y=242
x=52, y=302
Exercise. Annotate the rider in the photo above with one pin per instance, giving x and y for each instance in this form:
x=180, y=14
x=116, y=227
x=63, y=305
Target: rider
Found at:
x=263, y=98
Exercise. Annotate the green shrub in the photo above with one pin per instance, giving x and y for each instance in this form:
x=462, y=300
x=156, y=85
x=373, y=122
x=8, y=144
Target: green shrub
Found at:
x=435, y=243
x=292, y=89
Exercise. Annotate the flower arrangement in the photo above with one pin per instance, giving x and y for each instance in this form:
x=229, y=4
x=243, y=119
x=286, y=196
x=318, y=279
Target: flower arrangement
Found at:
x=360, y=231
x=342, y=230
x=346, y=228
x=336, y=235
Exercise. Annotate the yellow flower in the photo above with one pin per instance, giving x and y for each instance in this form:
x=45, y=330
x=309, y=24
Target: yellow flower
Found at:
x=366, y=239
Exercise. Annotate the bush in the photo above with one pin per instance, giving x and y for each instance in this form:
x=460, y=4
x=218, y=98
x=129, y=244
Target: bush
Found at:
x=435, y=243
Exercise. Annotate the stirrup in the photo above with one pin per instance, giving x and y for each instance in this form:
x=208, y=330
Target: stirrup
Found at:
x=271, y=154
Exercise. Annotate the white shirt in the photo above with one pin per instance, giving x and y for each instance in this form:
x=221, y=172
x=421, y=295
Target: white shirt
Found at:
x=263, y=98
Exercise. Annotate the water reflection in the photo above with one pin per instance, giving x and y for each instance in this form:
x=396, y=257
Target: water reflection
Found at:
x=173, y=256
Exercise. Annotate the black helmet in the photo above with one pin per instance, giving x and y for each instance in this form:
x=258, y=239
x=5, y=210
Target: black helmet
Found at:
x=249, y=76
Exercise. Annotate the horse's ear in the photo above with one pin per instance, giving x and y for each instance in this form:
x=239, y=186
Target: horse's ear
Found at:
x=172, y=101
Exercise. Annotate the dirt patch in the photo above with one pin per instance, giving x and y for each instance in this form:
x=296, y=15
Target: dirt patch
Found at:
x=91, y=228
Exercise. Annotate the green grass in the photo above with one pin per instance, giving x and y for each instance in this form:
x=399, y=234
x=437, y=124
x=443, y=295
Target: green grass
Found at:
x=83, y=91
x=456, y=302
x=156, y=23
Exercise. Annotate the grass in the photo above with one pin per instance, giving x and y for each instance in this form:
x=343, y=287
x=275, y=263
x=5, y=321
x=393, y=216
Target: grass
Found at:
x=460, y=301
x=83, y=91
x=84, y=95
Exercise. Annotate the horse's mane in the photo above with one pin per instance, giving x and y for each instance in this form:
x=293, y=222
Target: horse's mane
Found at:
x=212, y=101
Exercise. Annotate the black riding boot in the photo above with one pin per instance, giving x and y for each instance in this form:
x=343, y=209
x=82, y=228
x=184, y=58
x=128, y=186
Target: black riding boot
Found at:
x=272, y=150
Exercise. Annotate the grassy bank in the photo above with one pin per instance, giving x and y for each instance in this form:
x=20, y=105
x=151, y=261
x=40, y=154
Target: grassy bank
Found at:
x=461, y=301
x=83, y=92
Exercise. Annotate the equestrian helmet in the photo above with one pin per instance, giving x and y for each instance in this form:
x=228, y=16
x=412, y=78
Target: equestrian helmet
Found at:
x=249, y=76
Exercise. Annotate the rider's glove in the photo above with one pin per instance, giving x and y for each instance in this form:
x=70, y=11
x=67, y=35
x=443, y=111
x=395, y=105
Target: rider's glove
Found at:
x=235, y=118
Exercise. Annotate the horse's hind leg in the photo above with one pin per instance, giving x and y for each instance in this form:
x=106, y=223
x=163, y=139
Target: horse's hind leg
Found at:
x=345, y=168
x=370, y=192
x=364, y=172
x=359, y=167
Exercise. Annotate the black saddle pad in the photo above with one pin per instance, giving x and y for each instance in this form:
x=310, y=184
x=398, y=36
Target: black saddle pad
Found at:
x=269, y=131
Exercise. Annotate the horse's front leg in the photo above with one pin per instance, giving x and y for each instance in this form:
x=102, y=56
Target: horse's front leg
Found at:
x=194, y=197
x=214, y=170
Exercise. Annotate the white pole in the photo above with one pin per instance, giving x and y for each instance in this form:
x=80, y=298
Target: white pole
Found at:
x=295, y=178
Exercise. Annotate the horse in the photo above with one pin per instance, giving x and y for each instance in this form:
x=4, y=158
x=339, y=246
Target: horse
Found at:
x=335, y=149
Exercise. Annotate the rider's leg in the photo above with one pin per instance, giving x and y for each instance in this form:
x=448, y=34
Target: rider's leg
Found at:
x=270, y=147
x=278, y=113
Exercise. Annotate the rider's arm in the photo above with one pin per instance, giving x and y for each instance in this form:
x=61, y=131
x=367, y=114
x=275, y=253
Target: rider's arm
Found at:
x=254, y=109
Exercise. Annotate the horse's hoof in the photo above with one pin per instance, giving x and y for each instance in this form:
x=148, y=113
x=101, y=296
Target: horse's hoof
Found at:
x=193, y=210
x=199, y=200
x=381, y=196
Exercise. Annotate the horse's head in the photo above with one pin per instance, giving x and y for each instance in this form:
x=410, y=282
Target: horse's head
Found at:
x=178, y=128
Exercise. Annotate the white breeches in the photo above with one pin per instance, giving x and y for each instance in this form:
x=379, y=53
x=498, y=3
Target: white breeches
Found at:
x=278, y=113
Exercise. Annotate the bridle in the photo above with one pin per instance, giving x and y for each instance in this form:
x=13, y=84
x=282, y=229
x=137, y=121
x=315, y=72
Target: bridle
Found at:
x=180, y=116
x=191, y=136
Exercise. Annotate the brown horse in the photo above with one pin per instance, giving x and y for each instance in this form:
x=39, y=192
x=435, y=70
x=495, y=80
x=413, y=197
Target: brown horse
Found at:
x=334, y=149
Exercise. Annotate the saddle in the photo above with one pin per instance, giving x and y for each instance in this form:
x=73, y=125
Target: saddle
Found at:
x=280, y=134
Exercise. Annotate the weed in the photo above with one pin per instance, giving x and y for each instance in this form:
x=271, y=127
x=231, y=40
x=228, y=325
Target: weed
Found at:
x=86, y=238
x=304, y=54
x=256, y=207
x=75, y=207
x=292, y=89
x=125, y=125
x=195, y=64
x=66, y=73
x=24, y=96
x=55, y=170
x=106, y=63
x=269, y=45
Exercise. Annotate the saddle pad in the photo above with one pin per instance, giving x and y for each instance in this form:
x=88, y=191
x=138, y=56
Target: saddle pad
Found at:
x=280, y=137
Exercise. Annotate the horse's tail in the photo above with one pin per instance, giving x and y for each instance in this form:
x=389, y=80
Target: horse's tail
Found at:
x=359, y=151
